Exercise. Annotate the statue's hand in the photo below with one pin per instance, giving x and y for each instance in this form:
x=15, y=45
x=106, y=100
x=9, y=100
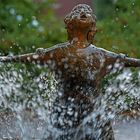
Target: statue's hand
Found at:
x=40, y=51
x=5, y=59
x=124, y=55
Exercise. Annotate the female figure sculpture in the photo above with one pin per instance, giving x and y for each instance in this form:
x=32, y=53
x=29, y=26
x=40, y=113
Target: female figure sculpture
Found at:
x=79, y=67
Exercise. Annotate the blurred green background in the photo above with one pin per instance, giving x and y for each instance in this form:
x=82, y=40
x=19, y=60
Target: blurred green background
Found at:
x=28, y=24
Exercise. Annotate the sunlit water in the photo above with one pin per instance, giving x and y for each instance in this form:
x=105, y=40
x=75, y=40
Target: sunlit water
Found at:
x=28, y=94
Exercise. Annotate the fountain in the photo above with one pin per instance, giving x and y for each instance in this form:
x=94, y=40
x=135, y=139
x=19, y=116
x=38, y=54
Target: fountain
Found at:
x=76, y=106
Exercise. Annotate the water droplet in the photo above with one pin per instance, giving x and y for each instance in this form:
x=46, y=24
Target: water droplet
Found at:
x=35, y=56
x=41, y=29
x=33, y=46
x=2, y=39
x=132, y=12
x=133, y=3
x=125, y=26
x=35, y=23
x=12, y=11
x=117, y=9
x=19, y=17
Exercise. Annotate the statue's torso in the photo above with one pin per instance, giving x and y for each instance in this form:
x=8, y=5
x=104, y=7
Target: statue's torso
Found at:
x=78, y=65
x=77, y=70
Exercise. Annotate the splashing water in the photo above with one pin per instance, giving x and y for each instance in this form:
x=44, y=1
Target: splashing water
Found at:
x=28, y=110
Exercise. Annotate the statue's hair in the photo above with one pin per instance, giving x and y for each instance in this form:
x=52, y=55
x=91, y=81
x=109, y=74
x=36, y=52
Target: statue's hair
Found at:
x=72, y=21
x=80, y=8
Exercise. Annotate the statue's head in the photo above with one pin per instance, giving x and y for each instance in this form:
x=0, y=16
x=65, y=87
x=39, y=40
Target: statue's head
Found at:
x=81, y=19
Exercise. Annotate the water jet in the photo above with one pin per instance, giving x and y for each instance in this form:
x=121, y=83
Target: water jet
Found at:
x=77, y=108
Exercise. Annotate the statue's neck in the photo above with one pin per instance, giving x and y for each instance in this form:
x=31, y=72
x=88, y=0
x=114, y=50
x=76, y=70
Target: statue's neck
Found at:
x=78, y=39
x=78, y=43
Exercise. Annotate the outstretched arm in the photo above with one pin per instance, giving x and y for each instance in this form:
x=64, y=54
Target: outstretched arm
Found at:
x=121, y=58
x=131, y=62
x=40, y=56
x=20, y=58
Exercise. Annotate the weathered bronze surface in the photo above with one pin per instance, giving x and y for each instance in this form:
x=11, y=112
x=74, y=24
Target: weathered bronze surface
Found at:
x=78, y=65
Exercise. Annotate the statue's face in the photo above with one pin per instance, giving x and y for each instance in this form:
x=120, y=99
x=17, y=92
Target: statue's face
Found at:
x=81, y=16
x=81, y=21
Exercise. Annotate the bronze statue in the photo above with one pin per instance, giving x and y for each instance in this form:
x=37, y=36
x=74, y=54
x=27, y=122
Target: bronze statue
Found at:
x=79, y=67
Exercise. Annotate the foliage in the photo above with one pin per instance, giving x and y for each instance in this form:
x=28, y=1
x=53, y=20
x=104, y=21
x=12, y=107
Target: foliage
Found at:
x=26, y=25
x=119, y=31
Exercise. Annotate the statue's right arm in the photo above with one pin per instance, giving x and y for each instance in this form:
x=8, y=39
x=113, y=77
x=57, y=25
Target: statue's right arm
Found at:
x=40, y=56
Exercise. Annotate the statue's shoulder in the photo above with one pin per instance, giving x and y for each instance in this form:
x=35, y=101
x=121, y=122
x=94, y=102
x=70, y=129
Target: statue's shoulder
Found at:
x=98, y=49
x=61, y=46
x=95, y=49
x=109, y=54
x=54, y=48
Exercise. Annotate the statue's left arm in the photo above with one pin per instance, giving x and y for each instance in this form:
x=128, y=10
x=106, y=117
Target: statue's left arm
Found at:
x=130, y=62
x=111, y=58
